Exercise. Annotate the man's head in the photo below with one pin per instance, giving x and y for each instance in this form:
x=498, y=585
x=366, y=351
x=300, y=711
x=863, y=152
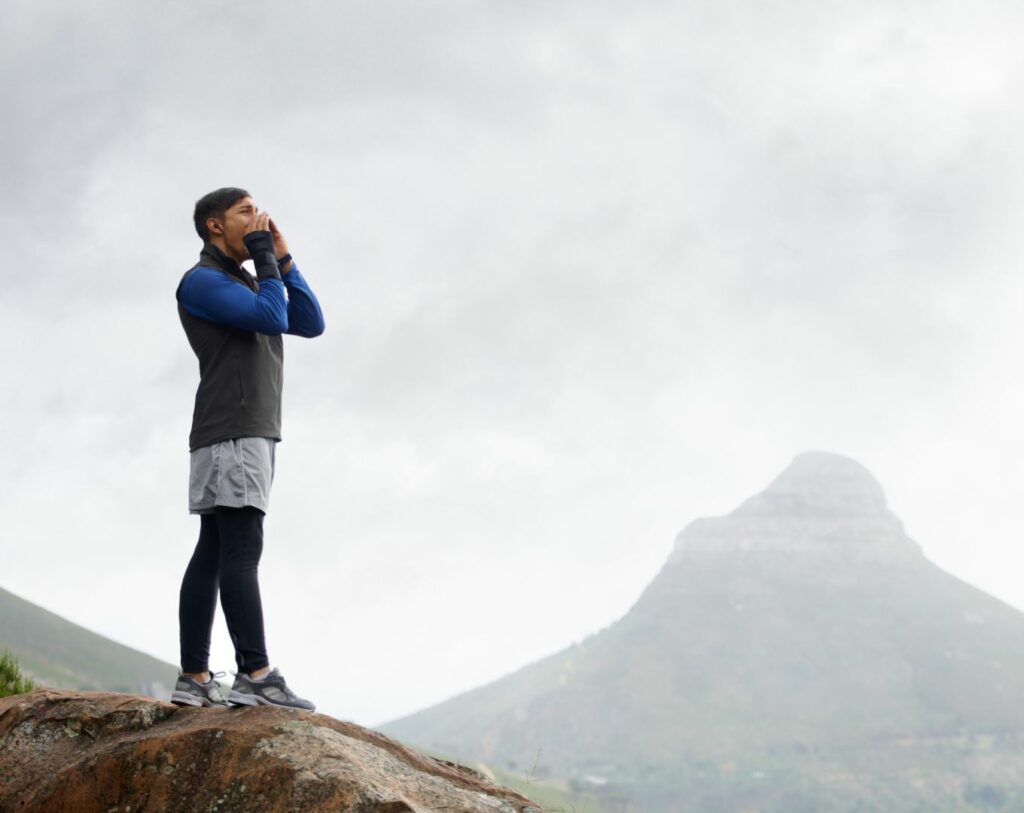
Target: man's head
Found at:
x=221, y=218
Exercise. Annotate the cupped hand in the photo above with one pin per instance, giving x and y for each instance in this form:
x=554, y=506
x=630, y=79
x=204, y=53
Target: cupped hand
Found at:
x=259, y=223
x=280, y=244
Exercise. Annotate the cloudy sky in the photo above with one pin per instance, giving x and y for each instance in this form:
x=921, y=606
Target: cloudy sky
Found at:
x=589, y=271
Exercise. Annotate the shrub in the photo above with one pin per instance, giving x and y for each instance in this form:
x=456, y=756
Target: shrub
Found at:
x=11, y=679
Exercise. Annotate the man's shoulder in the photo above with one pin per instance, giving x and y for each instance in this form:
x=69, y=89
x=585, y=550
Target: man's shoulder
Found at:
x=187, y=275
x=201, y=273
x=201, y=269
x=190, y=297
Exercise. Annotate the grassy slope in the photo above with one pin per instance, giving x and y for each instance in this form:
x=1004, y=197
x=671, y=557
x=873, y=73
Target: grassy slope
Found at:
x=554, y=795
x=55, y=652
x=791, y=686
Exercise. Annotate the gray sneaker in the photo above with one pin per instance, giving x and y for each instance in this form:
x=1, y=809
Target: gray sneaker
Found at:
x=270, y=691
x=190, y=692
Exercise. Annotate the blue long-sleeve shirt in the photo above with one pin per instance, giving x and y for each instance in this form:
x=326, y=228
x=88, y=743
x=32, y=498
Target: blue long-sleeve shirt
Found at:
x=207, y=293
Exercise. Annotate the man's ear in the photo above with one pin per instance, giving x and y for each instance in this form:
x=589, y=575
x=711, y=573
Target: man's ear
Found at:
x=213, y=226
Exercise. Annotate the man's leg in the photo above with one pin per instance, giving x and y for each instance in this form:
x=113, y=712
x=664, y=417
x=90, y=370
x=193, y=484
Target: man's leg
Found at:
x=241, y=544
x=197, y=600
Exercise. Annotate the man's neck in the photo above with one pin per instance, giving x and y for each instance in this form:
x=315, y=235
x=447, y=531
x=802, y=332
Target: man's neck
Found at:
x=219, y=243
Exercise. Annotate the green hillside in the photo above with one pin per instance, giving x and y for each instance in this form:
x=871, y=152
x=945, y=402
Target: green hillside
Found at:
x=55, y=652
x=798, y=654
x=554, y=795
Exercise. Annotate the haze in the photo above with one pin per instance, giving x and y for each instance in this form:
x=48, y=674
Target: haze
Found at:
x=588, y=271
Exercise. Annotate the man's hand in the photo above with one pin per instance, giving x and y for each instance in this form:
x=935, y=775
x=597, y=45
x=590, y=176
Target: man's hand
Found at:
x=280, y=246
x=259, y=223
x=259, y=243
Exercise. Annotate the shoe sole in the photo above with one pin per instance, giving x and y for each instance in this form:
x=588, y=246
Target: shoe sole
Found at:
x=244, y=699
x=180, y=698
x=240, y=699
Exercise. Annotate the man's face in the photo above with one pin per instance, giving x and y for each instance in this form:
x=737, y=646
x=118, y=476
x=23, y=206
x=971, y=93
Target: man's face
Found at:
x=237, y=217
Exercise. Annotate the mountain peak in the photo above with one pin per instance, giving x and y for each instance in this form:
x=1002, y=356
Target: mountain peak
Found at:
x=803, y=634
x=821, y=503
x=820, y=483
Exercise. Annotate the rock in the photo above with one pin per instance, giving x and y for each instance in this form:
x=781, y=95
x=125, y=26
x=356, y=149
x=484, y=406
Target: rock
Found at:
x=100, y=752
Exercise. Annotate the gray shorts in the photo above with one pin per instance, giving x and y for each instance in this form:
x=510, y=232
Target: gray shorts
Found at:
x=233, y=473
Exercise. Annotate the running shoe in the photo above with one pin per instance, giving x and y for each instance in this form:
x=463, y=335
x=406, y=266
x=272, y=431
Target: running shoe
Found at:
x=190, y=692
x=271, y=690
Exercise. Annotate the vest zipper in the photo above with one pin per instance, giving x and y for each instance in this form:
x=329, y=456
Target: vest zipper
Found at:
x=241, y=389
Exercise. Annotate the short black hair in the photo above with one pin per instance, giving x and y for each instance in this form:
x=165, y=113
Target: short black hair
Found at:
x=215, y=204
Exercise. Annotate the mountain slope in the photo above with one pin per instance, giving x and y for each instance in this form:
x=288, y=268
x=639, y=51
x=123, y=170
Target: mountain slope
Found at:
x=802, y=636
x=57, y=653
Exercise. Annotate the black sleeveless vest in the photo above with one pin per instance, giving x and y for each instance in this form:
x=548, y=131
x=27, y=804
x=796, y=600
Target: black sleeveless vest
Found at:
x=241, y=372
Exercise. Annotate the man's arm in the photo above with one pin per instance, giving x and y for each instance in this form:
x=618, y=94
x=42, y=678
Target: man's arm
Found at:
x=210, y=294
x=304, y=315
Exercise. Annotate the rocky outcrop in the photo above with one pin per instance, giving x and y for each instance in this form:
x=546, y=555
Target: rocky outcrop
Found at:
x=100, y=751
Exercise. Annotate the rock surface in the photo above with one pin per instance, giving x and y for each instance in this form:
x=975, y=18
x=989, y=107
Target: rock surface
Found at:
x=85, y=752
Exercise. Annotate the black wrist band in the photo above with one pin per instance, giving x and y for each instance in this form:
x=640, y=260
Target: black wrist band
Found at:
x=283, y=260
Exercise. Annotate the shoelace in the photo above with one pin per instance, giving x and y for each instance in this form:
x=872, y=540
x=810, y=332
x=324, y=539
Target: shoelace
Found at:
x=213, y=676
x=214, y=690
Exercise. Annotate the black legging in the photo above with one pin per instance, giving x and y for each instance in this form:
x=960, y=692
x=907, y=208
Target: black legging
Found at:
x=228, y=554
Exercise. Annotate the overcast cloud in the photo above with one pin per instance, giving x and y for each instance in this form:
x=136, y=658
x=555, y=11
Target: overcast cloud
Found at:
x=589, y=271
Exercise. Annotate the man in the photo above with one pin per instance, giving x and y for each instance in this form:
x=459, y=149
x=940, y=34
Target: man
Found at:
x=234, y=324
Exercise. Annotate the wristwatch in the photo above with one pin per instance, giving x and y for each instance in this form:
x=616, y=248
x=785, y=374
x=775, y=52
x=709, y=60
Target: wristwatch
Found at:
x=284, y=260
